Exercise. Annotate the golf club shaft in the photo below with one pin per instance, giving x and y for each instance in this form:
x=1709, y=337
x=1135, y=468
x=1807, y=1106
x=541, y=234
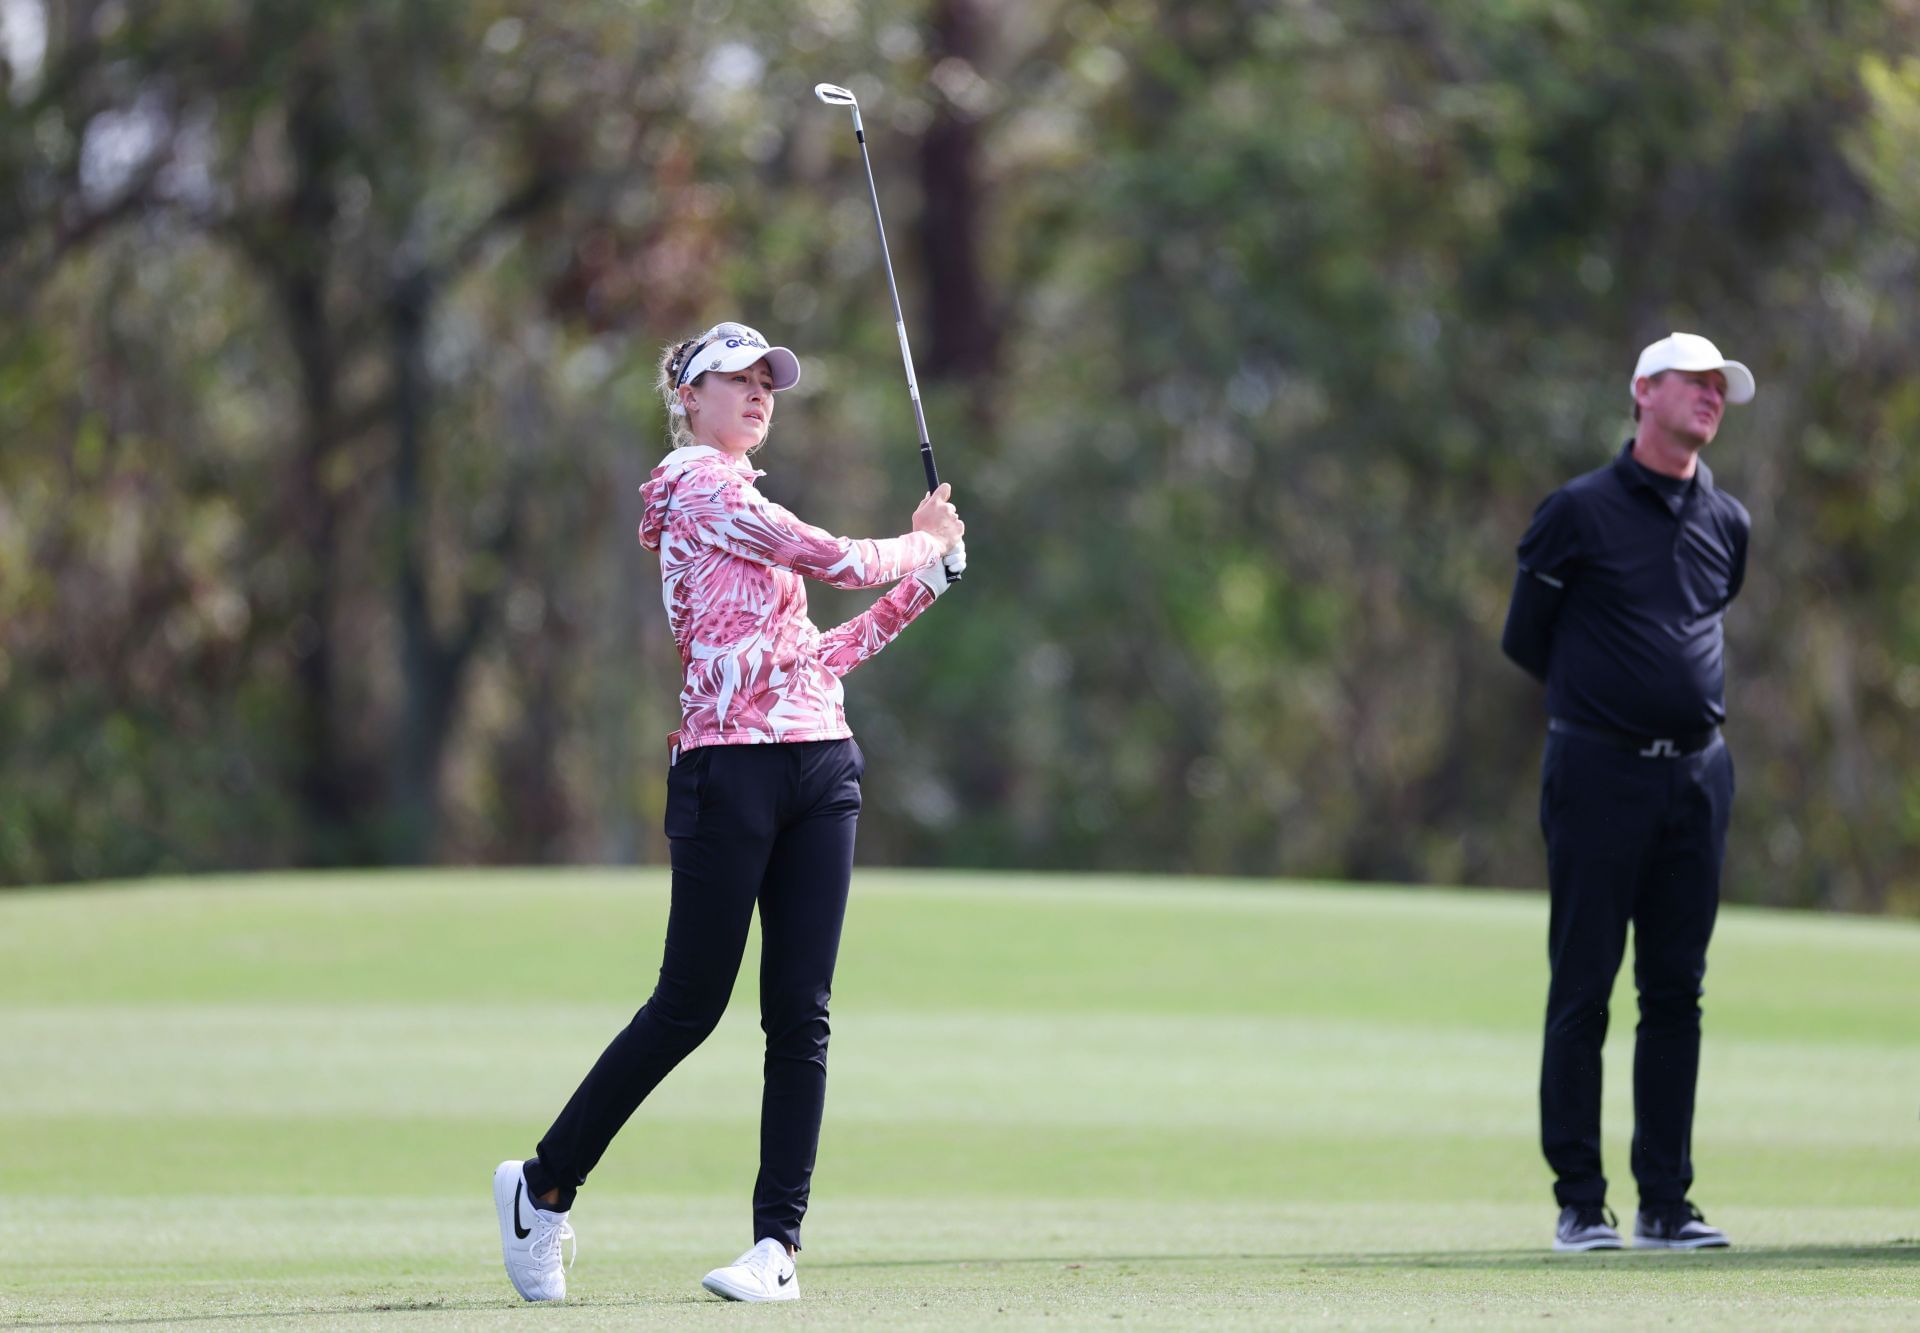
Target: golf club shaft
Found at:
x=899, y=319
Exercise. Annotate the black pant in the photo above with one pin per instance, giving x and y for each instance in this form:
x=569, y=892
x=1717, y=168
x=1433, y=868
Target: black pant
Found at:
x=771, y=824
x=1640, y=840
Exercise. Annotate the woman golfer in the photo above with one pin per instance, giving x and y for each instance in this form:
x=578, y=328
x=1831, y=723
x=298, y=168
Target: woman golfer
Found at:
x=762, y=797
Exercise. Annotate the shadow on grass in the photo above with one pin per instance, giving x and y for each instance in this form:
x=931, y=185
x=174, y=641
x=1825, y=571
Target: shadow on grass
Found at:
x=1739, y=1257
x=1754, y=1259
x=367, y=1310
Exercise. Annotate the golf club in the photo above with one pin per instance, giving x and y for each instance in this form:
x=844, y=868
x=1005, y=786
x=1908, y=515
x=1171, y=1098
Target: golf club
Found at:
x=834, y=95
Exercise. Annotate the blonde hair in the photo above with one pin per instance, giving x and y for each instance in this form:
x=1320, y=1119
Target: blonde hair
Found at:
x=672, y=358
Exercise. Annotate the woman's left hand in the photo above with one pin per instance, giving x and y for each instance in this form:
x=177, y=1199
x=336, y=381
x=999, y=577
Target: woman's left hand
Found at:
x=937, y=517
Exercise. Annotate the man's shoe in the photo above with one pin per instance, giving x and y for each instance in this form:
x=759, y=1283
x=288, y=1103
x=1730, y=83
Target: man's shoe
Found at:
x=1586, y=1226
x=763, y=1273
x=1675, y=1226
x=530, y=1238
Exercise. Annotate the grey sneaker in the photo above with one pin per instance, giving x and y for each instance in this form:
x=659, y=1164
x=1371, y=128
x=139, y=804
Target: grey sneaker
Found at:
x=1675, y=1226
x=1587, y=1226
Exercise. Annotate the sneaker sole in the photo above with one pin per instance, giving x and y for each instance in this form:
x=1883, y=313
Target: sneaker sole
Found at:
x=1582, y=1246
x=718, y=1285
x=1650, y=1243
x=505, y=1177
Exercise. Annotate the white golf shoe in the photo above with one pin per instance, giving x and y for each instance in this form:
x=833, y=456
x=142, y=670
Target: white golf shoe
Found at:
x=763, y=1273
x=531, y=1238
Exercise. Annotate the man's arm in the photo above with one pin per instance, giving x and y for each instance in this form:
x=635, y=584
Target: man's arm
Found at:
x=1741, y=532
x=1528, y=638
x=1549, y=556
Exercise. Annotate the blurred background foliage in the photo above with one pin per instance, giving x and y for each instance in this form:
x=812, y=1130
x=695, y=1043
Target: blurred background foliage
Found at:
x=1251, y=334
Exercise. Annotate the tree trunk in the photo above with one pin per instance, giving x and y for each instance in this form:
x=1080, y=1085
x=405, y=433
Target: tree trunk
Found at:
x=964, y=334
x=425, y=666
x=323, y=781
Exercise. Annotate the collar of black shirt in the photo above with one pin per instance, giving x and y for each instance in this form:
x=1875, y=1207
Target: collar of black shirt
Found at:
x=1633, y=475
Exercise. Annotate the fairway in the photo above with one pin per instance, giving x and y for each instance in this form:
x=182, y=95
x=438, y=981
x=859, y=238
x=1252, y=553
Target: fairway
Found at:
x=276, y=1102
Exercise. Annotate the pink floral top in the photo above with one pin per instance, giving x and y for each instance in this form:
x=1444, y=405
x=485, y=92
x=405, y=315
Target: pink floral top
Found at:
x=731, y=567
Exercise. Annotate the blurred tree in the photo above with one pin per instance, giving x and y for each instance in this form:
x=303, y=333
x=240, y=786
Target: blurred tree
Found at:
x=331, y=147
x=1250, y=335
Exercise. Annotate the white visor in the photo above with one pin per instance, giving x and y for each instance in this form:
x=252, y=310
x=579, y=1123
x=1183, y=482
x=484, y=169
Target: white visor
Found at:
x=1689, y=351
x=731, y=346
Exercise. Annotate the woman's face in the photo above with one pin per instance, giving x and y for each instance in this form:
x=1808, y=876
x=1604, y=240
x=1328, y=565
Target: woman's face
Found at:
x=731, y=409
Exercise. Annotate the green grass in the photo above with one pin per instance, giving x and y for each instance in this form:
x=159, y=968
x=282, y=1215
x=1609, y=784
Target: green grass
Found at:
x=275, y=1102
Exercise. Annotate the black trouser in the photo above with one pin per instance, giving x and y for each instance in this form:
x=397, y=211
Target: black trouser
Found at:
x=771, y=824
x=1640, y=840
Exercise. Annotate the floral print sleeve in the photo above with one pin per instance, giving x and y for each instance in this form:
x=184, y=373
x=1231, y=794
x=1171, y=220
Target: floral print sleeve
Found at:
x=845, y=647
x=733, y=569
x=737, y=518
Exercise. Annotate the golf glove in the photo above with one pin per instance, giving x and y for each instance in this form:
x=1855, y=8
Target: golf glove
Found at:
x=935, y=575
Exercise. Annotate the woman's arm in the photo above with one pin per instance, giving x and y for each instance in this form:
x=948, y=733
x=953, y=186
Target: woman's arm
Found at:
x=738, y=519
x=846, y=646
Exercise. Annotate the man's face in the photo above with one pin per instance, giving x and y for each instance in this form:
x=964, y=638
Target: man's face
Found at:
x=1685, y=405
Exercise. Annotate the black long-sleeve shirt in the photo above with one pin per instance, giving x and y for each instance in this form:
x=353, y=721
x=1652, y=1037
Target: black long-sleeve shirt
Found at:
x=1625, y=577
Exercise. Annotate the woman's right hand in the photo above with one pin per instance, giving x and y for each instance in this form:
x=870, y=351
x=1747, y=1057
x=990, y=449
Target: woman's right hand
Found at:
x=937, y=517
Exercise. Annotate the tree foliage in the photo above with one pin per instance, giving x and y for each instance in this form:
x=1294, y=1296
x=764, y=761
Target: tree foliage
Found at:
x=1251, y=333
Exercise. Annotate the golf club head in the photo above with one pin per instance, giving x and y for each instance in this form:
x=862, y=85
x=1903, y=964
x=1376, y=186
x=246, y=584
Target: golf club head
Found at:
x=834, y=95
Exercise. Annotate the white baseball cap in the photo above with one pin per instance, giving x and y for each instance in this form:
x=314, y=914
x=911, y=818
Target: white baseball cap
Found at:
x=731, y=346
x=1689, y=351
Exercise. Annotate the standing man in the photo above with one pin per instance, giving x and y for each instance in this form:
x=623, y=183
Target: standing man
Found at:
x=1625, y=577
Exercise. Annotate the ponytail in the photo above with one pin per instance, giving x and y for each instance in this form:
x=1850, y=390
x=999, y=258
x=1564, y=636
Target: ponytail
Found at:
x=672, y=361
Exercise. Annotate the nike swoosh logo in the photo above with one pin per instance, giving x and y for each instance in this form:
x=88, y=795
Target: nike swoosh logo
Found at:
x=519, y=1232
x=785, y=1278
